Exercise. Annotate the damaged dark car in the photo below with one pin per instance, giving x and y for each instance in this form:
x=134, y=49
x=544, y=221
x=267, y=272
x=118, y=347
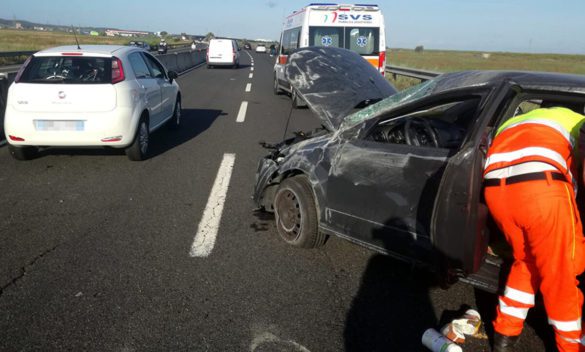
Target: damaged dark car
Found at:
x=399, y=172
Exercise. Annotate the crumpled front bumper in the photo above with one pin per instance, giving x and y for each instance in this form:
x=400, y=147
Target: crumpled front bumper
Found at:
x=264, y=176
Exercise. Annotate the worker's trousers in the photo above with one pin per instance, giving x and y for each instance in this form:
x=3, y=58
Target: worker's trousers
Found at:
x=541, y=222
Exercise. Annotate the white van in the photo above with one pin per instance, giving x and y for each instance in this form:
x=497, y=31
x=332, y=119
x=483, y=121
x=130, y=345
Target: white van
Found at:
x=223, y=52
x=359, y=28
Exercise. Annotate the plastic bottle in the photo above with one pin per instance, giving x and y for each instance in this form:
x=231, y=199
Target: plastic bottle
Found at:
x=439, y=343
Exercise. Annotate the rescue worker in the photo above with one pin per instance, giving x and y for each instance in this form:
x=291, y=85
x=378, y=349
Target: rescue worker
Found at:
x=530, y=181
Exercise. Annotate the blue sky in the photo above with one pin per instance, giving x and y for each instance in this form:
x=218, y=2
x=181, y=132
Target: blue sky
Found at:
x=534, y=26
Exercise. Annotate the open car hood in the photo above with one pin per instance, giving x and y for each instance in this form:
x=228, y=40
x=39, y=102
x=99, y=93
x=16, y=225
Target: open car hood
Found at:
x=333, y=82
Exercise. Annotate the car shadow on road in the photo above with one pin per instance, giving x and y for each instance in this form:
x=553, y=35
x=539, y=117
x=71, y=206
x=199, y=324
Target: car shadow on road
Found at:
x=392, y=308
x=193, y=123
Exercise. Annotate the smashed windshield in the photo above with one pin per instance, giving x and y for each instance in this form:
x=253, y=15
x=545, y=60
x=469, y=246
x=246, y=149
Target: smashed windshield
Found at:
x=400, y=98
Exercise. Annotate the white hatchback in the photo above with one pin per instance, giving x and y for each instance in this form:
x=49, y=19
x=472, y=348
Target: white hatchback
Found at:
x=97, y=96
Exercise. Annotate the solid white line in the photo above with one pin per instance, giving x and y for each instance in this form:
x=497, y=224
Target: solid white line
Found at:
x=251, y=75
x=248, y=87
x=209, y=226
x=242, y=113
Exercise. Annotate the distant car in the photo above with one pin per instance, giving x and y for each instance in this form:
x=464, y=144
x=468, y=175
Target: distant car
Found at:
x=247, y=46
x=223, y=52
x=97, y=96
x=162, y=48
x=260, y=48
x=400, y=172
x=140, y=44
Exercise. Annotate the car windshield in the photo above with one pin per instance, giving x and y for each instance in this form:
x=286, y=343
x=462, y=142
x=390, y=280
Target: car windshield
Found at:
x=400, y=98
x=68, y=69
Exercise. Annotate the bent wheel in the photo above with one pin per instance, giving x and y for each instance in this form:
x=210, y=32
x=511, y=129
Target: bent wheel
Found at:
x=296, y=213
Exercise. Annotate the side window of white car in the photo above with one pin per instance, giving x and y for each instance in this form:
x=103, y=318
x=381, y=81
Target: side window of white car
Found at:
x=139, y=66
x=156, y=69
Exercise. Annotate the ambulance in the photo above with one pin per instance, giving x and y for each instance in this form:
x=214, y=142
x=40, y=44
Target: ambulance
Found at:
x=358, y=27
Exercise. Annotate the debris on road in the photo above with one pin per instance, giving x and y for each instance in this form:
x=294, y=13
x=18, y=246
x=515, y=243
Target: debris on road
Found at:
x=436, y=342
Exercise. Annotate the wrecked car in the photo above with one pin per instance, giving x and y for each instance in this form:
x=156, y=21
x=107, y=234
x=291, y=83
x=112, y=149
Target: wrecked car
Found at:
x=399, y=173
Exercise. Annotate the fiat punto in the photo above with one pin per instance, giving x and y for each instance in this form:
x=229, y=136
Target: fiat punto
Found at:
x=96, y=96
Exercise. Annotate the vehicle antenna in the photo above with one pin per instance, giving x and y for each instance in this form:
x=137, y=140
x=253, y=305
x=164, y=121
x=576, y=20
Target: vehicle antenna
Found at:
x=77, y=41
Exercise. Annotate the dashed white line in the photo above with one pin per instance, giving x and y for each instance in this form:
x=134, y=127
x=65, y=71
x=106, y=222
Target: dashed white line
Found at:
x=251, y=68
x=251, y=75
x=209, y=226
x=242, y=113
x=248, y=87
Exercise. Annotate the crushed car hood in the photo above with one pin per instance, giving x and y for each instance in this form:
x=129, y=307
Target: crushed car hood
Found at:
x=333, y=82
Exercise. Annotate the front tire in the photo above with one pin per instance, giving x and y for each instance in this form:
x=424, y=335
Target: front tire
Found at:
x=22, y=153
x=297, y=102
x=138, y=150
x=296, y=213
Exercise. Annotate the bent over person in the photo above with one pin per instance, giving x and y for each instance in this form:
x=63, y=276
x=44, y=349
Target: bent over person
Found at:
x=530, y=181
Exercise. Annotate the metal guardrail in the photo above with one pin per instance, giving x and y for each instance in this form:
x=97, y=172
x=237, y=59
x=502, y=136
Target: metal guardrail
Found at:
x=16, y=53
x=423, y=75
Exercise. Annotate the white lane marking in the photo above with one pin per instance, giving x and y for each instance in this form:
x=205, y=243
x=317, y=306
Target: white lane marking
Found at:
x=242, y=113
x=209, y=226
x=251, y=75
x=251, y=68
x=248, y=87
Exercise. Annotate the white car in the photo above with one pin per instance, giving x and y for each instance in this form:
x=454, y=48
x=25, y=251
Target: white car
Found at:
x=97, y=96
x=261, y=48
x=223, y=52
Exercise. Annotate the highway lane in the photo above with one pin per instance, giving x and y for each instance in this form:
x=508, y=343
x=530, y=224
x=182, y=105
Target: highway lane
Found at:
x=95, y=250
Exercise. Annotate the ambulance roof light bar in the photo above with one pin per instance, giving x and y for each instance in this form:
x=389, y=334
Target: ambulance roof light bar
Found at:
x=344, y=7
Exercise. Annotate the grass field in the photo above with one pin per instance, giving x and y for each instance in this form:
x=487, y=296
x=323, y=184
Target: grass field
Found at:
x=23, y=40
x=449, y=61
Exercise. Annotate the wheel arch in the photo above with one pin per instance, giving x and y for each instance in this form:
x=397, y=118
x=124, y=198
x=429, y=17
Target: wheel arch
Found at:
x=315, y=185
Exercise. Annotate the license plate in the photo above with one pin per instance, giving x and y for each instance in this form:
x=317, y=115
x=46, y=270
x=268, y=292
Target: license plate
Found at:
x=59, y=125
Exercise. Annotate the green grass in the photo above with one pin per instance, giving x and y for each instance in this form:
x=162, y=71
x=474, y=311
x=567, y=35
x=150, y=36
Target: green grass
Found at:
x=450, y=61
x=25, y=40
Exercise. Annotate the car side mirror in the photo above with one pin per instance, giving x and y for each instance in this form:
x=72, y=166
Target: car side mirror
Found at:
x=173, y=75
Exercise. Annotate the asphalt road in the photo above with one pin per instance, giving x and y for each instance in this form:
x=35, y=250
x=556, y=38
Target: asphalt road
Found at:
x=95, y=249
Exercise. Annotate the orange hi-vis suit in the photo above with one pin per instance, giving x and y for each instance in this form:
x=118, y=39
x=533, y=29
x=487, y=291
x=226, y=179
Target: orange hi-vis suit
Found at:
x=530, y=180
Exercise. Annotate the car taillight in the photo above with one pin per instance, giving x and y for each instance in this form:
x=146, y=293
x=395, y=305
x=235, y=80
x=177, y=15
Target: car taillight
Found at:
x=117, y=70
x=282, y=59
x=382, y=63
x=21, y=69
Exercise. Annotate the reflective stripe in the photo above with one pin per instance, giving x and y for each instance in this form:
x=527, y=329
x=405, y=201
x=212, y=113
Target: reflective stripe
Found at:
x=519, y=296
x=520, y=169
x=566, y=326
x=524, y=152
x=572, y=340
x=554, y=125
x=519, y=313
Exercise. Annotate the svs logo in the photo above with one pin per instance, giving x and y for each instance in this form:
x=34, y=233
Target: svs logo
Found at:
x=334, y=17
x=346, y=17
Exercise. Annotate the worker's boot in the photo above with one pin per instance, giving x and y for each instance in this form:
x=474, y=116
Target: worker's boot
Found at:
x=503, y=343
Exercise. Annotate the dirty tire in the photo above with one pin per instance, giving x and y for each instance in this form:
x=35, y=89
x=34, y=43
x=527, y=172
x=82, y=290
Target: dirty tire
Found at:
x=138, y=150
x=22, y=153
x=175, y=122
x=296, y=213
